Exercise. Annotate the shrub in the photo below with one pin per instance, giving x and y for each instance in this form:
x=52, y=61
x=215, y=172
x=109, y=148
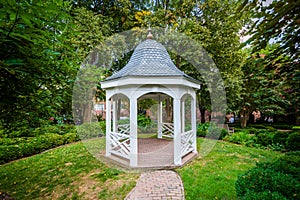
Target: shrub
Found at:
x=8, y=153
x=102, y=125
x=202, y=129
x=280, y=180
x=203, y=126
x=241, y=138
x=250, y=195
x=296, y=128
x=252, y=131
x=280, y=137
x=271, y=129
x=89, y=130
x=265, y=138
x=70, y=137
x=58, y=129
x=201, y=133
x=293, y=141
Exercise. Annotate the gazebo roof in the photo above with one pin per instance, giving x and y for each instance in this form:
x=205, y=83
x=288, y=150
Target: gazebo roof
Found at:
x=150, y=59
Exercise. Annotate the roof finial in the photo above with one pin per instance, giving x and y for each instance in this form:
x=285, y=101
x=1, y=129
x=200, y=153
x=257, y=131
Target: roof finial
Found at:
x=149, y=36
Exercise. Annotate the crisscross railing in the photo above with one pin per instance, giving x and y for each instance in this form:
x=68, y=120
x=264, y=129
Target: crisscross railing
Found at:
x=168, y=130
x=187, y=142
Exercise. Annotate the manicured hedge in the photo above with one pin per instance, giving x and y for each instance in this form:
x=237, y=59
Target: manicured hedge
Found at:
x=277, y=180
x=34, y=145
x=44, y=138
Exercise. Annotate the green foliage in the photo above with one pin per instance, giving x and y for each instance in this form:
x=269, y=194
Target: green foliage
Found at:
x=251, y=195
x=35, y=62
x=296, y=127
x=278, y=179
x=213, y=176
x=293, y=141
x=280, y=138
x=265, y=138
x=242, y=138
x=15, y=148
x=91, y=130
x=211, y=130
x=278, y=22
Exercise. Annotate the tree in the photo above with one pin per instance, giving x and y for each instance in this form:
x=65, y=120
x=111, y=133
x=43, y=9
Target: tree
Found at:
x=35, y=71
x=278, y=23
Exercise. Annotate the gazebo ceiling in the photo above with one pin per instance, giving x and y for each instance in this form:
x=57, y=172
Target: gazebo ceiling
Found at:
x=150, y=59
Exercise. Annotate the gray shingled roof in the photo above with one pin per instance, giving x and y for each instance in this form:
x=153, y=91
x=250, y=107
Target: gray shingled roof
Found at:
x=149, y=59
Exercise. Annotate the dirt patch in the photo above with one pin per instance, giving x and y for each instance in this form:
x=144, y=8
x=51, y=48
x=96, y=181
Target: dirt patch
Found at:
x=88, y=187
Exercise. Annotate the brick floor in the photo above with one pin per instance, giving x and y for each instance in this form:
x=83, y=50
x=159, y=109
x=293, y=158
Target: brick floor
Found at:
x=163, y=184
x=154, y=153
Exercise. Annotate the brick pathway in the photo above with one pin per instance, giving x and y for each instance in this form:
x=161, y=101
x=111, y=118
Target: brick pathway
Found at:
x=157, y=185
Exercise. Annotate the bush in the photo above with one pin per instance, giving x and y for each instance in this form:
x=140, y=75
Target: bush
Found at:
x=8, y=153
x=265, y=138
x=293, y=141
x=241, y=138
x=252, y=131
x=211, y=130
x=277, y=180
x=202, y=129
x=296, y=128
x=102, y=125
x=250, y=195
x=280, y=137
x=201, y=133
x=89, y=130
x=70, y=137
x=58, y=129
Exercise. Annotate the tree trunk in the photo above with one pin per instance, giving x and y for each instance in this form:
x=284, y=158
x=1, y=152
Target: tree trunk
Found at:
x=169, y=115
x=202, y=112
x=246, y=114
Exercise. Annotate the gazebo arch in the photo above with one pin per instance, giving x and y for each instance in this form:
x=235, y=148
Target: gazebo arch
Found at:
x=150, y=73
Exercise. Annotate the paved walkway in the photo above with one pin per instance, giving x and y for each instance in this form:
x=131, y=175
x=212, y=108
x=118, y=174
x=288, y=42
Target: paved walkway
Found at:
x=157, y=185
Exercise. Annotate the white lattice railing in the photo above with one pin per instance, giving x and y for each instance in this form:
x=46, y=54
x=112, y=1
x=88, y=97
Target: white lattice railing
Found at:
x=168, y=130
x=120, y=144
x=124, y=129
x=187, y=142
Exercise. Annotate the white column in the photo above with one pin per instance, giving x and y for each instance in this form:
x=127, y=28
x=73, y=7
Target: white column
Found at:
x=159, y=118
x=133, y=132
x=108, y=127
x=183, y=115
x=193, y=121
x=115, y=115
x=177, y=132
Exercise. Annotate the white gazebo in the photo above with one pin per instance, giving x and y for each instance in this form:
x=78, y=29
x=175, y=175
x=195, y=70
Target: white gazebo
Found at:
x=150, y=73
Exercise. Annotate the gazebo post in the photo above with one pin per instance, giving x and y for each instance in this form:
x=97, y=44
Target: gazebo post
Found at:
x=159, y=117
x=177, y=132
x=108, y=126
x=115, y=130
x=193, y=121
x=133, y=132
x=183, y=115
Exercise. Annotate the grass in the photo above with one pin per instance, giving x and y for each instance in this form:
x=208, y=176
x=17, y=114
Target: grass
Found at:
x=71, y=172
x=214, y=176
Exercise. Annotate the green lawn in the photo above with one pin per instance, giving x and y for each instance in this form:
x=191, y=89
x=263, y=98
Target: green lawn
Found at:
x=70, y=172
x=214, y=176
